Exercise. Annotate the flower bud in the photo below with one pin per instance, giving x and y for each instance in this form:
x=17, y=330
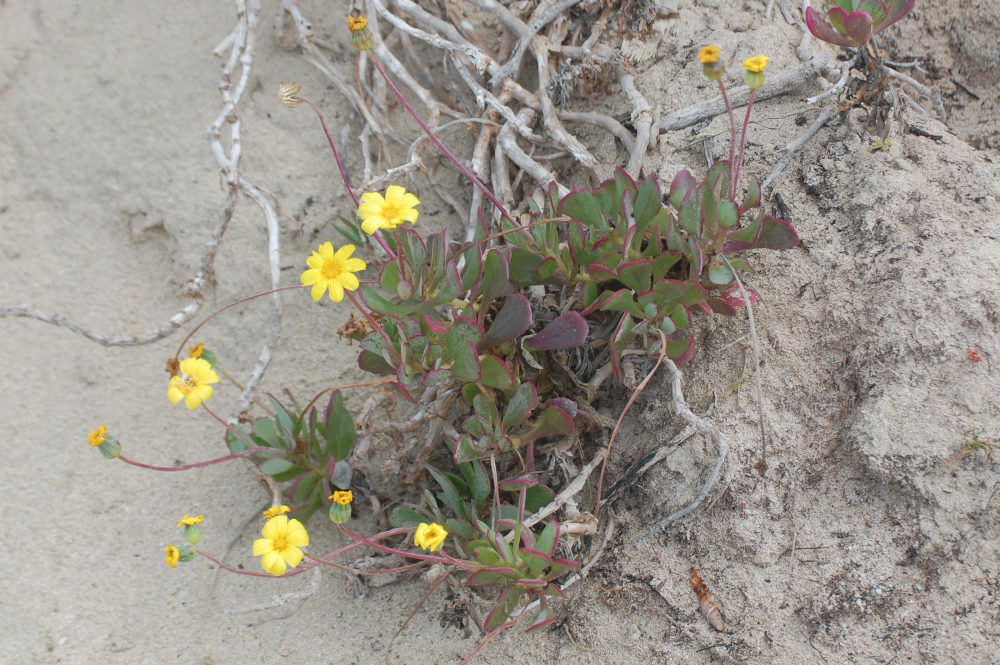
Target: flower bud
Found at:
x=712, y=66
x=753, y=71
x=107, y=444
x=340, y=509
x=187, y=552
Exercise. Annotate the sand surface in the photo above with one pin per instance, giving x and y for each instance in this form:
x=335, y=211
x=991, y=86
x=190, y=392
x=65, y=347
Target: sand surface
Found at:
x=868, y=540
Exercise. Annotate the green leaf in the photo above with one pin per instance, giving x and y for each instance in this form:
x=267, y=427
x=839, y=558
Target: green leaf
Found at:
x=728, y=213
x=647, y=202
x=689, y=217
x=720, y=274
x=520, y=406
x=495, y=373
x=546, y=542
x=340, y=433
x=406, y=517
x=637, y=275
x=449, y=494
x=236, y=443
x=583, y=206
x=305, y=488
x=523, y=268
x=496, y=272
x=537, y=497
x=505, y=605
x=265, y=429
x=275, y=466
x=465, y=366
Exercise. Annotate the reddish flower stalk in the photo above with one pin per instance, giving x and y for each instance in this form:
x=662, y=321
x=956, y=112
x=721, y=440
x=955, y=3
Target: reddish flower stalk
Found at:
x=433, y=137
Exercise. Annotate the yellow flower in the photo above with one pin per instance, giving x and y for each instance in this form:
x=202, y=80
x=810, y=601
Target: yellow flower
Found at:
x=756, y=64
x=280, y=544
x=173, y=556
x=709, y=55
x=192, y=384
x=342, y=498
x=96, y=437
x=429, y=536
x=196, y=351
x=332, y=270
x=191, y=521
x=274, y=511
x=286, y=94
x=397, y=207
x=356, y=23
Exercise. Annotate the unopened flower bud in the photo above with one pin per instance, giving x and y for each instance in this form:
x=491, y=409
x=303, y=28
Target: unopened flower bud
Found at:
x=340, y=509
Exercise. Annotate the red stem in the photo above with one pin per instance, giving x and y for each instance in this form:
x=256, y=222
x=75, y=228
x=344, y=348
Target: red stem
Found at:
x=336, y=156
x=232, y=304
x=743, y=141
x=197, y=465
x=433, y=137
x=732, y=137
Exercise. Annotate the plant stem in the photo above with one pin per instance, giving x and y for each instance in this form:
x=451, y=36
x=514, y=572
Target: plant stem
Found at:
x=433, y=137
x=232, y=304
x=336, y=155
x=743, y=142
x=372, y=322
x=443, y=558
x=196, y=465
x=732, y=138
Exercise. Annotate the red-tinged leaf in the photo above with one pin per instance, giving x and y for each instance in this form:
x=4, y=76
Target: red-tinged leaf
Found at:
x=495, y=373
x=680, y=186
x=856, y=25
x=553, y=422
x=734, y=297
x=822, y=30
x=505, y=605
x=374, y=364
x=466, y=366
x=546, y=542
x=491, y=576
x=776, y=234
x=719, y=306
x=515, y=484
x=510, y=322
x=545, y=617
x=566, y=332
x=681, y=351
x=520, y=405
x=465, y=450
x=535, y=560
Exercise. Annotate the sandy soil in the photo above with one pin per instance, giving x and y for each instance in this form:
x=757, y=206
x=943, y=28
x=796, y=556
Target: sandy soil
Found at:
x=867, y=540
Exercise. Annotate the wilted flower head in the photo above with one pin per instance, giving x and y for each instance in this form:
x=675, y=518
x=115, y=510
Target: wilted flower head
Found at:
x=274, y=511
x=361, y=36
x=286, y=94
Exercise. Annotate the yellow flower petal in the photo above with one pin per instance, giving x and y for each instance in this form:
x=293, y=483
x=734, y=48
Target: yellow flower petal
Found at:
x=297, y=535
x=273, y=563
x=262, y=546
x=336, y=291
x=310, y=277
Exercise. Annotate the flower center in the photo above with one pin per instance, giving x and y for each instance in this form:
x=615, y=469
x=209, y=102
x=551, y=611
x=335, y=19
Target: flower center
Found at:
x=332, y=269
x=187, y=384
x=390, y=211
x=279, y=543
